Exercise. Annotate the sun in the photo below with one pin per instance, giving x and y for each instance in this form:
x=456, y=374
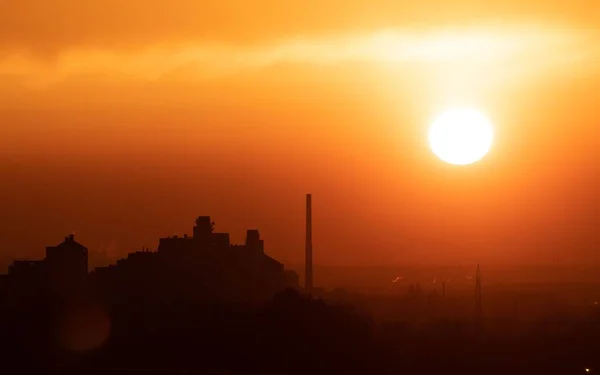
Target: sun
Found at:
x=461, y=136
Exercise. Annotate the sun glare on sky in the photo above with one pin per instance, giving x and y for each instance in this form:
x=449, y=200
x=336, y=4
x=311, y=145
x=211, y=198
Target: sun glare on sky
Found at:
x=240, y=107
x=461, y=136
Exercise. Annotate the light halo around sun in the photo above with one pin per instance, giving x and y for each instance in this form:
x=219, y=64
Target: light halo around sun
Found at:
x=461, y=136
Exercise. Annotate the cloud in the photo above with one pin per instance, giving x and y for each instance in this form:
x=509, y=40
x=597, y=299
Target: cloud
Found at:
x=517, y=47
x=107, y=24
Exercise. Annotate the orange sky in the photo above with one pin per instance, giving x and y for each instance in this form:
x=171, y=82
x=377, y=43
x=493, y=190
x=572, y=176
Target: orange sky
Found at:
x=125, y=120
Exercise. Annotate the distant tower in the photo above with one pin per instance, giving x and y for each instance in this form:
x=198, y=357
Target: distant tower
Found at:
x=203, y=231
x=253, y=240
x=478, y=295
x=308, y=283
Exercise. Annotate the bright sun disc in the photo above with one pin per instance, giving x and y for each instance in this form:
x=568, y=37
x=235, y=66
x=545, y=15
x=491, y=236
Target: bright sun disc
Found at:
x=461, y=136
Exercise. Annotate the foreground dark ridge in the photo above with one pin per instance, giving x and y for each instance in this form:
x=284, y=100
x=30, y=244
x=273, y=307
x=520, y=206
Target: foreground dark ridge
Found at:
x=165, y=371
x=297, y=334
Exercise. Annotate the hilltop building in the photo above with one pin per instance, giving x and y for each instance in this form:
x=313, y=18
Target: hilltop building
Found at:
x=203, y=266
x=62, y=274
x=67, y=268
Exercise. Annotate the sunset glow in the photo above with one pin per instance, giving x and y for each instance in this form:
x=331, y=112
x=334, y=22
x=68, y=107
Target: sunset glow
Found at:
x=461, y=136
x=127, y=119
x=300, y=186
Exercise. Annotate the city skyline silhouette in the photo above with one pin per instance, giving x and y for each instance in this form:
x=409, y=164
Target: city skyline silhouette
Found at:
x=299, y=187
x=174, y=308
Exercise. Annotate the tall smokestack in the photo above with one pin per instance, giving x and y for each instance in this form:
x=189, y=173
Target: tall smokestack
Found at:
x=308, y=281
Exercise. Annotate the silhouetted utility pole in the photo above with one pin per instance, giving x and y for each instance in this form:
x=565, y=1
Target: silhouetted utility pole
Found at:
x=308, y=282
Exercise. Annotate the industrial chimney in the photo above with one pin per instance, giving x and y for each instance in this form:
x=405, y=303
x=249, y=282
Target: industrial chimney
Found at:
x=308, y=281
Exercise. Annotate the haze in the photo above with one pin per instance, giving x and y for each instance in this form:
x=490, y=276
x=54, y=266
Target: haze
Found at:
x=125, y=121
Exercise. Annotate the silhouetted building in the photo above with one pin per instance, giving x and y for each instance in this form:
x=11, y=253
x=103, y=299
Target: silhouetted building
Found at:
x=67, y=268
x=205, y=265
x=221, y=240
x=27, y=279
x=202, y=267
x=62, y=274
x=253, y=241
x=3, y=282
x=26, y=270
